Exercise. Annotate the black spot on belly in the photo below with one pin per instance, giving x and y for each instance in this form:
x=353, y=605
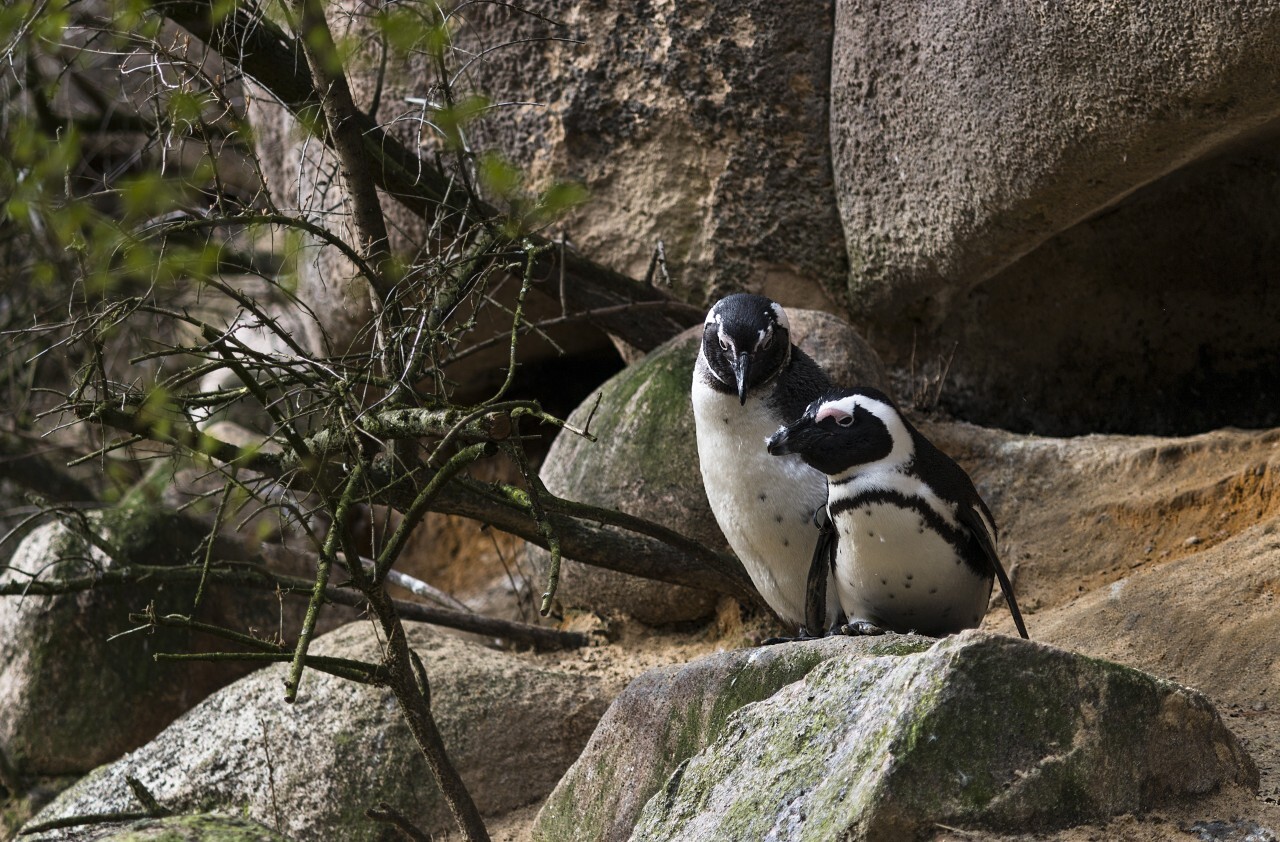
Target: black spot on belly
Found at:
x=870, y=534
x=910, y=576
x=906, y=585
x=892, y=595
x=764, y=496
x=933, y=590
x=725, y=419
x=778, y=518
x=786, y=542
x=884, y=581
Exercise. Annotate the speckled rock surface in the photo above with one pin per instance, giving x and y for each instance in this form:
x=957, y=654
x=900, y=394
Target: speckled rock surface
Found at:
x=645, y=462
x=314, y=767
x=702, y=124
x=975, y=730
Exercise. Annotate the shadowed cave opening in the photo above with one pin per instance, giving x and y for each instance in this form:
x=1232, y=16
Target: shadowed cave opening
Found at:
x=1160, y=315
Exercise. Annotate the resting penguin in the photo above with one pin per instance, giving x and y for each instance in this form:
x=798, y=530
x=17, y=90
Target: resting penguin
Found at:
x=915, y=544
x=748, y=380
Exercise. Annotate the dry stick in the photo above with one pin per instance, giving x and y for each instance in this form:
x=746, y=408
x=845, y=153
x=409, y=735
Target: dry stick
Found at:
x=384, y=812
x=653, y=551
x=346, y=135
x=83, y=819
x=355, y=671
x=417, y=712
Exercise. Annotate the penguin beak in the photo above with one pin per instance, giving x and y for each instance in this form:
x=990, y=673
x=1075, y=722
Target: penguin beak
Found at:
x=741, y=369
x=793, y=438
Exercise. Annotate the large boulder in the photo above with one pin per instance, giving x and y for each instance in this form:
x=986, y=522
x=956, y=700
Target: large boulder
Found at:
x=966, y=135
x=875, y=742
x=1159, y=553
x=667, y=715
x=703, y=125
x=312, y=768
x=75, y=691
x=645, y=462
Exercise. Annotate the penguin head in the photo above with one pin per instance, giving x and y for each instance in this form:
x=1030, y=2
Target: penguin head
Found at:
x=847, y=431
x=746, y=340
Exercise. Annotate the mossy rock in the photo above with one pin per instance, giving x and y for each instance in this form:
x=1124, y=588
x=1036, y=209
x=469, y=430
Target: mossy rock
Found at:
x=977, y=731
x=666, y=717
x=645, y=462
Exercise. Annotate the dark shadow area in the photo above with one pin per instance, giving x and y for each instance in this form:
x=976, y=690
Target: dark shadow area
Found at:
x=1159, y=316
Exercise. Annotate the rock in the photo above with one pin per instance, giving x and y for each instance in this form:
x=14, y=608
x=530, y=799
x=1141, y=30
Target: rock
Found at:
x=938, y=191
x=1093, y=529
x=71, y=695
x=1140, y=137
x=703, y=125
x=1124, y=323
x=975, y=730
x=645, y=462
x=312, y=768
x=664, y=718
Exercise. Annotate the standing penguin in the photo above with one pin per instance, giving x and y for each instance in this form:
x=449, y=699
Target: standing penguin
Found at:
x=748, y=380
x=916, y=545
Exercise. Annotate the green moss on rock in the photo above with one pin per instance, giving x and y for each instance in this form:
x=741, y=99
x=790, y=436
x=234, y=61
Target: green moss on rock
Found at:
x=977, y=730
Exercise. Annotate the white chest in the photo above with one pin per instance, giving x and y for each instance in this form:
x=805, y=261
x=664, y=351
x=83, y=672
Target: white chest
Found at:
x=764, y=504
x=894, y=571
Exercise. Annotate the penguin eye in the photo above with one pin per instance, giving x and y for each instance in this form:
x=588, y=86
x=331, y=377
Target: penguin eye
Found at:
x=845, y=420
x=766, y=342
x=724, y=344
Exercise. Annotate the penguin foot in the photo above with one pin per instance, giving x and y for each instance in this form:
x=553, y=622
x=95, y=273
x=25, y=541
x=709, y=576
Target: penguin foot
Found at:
x=803, y=634
x=859, y=628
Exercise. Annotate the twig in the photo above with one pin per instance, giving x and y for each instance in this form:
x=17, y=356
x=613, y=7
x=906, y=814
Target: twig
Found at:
x=271, y=774
x=384, y=812
x=83, y=819
x=523, y=634
x=145, y=798
x=327, y=552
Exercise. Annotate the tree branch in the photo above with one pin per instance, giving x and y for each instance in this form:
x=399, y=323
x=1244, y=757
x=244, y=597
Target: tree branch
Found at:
x=276, y=62
x=252, y=575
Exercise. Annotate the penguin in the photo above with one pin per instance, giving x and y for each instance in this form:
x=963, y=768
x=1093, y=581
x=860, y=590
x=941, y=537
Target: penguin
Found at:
x=748, y=380
x=915, y=543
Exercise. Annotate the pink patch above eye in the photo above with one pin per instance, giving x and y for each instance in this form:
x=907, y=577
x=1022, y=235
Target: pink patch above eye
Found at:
x=830, y=412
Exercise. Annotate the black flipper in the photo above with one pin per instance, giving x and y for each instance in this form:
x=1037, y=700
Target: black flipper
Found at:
x=824, y=561
x=975, y=523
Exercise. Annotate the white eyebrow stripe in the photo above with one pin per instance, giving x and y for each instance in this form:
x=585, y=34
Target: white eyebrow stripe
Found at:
x=830, y=410
x=781, y=315
x=725, y=339
x=903, y=449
